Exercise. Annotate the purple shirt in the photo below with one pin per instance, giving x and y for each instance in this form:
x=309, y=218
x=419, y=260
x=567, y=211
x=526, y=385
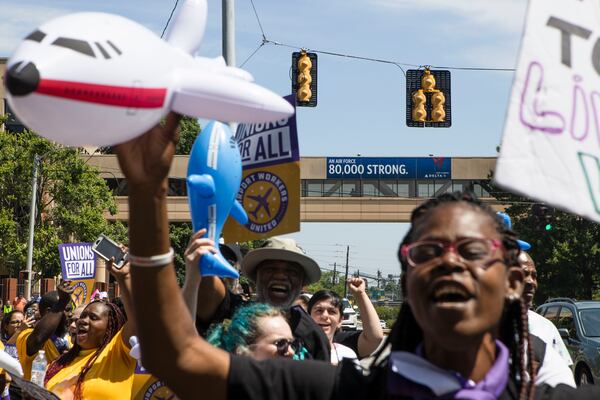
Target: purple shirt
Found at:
x=412, y=375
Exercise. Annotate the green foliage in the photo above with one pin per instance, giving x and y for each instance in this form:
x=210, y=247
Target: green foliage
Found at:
x=189, y=128
x=567, y=257
x=180, y=234
x=71, y=202
x=326, y=282
x=388, y=314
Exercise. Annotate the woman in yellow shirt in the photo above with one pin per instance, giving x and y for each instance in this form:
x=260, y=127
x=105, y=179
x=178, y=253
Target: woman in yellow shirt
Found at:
x=98, y=366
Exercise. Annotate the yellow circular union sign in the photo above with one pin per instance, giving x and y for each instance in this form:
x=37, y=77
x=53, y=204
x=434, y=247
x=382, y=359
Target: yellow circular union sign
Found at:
x=265, y=200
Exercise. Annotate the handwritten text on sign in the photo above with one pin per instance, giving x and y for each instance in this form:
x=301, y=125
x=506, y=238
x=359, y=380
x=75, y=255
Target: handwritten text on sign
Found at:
x=78, y=261
x=551, y=144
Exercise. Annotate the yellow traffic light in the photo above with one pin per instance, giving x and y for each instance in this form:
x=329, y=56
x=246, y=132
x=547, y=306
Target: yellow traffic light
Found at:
x=419, y=114
x=428, y=93
x=438, y=101
x=304, y=78
x=428, y=81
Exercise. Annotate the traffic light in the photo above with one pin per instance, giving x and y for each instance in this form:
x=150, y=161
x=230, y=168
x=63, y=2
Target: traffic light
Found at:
x=543, y=216
x=428, y=98
x=304, y=78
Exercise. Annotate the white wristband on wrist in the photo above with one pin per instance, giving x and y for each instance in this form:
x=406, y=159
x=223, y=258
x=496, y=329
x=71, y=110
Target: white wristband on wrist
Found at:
x=153, y=261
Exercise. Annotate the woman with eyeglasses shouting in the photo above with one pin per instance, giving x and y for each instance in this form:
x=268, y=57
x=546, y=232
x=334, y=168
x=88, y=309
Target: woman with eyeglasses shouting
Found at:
x=461, y=333
x=257, y=330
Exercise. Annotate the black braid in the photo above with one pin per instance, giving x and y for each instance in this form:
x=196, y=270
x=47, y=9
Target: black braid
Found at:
x=406, y=334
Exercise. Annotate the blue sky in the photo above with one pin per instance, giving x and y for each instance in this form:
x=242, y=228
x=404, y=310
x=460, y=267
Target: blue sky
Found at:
x=361, y=104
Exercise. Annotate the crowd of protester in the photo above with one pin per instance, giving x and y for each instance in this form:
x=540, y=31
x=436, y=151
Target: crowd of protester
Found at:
x=465, y=329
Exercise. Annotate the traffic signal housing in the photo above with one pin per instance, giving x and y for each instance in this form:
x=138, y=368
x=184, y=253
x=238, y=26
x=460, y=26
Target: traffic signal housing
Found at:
x=544, y=217
x=428, y=98
x=304, y=78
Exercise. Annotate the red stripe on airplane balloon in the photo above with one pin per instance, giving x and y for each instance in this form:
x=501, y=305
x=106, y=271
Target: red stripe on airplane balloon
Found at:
x=120, y=96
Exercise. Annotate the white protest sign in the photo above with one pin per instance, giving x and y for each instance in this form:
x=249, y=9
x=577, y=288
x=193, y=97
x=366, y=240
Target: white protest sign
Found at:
x=78, y=261
x=551, y=144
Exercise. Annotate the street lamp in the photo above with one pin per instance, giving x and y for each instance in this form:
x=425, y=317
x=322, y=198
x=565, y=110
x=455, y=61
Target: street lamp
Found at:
x=32, y=215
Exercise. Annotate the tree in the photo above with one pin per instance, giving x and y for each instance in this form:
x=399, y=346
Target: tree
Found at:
x=567, y=256
x=71, y=201
x=327, y=282
x=388, y=313
x=189, y=129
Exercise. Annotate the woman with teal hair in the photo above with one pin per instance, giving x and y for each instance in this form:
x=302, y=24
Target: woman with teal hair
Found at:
x=257, y=330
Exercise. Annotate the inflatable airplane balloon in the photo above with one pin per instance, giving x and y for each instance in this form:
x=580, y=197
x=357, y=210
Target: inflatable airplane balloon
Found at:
x=213, y=181
x=101, y=79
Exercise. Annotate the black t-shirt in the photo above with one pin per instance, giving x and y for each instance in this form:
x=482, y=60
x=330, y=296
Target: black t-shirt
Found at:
x=284, y=379
x=280, y=379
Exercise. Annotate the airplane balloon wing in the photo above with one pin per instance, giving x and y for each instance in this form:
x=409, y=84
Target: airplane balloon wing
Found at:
x=210, y=94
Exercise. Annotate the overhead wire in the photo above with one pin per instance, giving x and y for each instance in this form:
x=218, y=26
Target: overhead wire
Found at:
x=398, y=64
x=169, y=20
x=258, y=20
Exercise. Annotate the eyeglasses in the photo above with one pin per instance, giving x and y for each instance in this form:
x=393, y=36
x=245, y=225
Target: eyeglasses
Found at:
x=283, y=346
x=15, y=322
x=473, y=250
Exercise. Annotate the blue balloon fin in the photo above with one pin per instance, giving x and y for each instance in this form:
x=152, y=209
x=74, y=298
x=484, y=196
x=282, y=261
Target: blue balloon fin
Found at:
x=202, y=185
x=216, y=265
x=238, y=213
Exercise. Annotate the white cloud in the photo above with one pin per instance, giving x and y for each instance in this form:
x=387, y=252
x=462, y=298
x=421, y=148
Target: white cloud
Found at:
x=18, y=20
x=501, y=15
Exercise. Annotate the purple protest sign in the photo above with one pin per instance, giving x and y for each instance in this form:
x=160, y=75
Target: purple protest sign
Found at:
x=77, y=260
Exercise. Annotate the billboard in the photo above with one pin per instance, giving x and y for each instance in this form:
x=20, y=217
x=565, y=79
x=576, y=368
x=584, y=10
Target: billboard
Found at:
x=389, y=168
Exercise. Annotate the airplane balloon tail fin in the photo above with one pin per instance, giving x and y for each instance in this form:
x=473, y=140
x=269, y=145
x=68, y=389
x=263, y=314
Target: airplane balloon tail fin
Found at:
x=214, y=265
x=187, y=28
x=238, y=213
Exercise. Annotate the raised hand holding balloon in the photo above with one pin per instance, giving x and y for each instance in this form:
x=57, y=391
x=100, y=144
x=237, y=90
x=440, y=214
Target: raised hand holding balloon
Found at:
x=101, y=79
x=213, y=181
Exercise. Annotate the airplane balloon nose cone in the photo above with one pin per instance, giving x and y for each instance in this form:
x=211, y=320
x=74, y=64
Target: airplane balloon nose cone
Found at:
x=22, y=80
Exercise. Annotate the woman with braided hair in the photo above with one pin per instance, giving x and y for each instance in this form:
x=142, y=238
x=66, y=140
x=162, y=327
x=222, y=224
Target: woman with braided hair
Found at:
x=98, y=366
x=463, y=312
x=462, y=333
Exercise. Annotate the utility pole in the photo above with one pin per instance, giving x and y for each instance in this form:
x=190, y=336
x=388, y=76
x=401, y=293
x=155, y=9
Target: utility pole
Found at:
x=228, y=16
x=346, y=277
x=334, y=272
x=32, y=214
x=378, y=278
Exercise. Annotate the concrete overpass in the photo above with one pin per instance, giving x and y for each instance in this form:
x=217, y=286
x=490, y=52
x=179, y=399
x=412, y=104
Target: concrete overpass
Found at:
x=331, y=199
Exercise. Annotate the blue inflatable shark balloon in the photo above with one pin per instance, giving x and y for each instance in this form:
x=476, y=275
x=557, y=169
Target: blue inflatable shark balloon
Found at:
x=213, y=181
